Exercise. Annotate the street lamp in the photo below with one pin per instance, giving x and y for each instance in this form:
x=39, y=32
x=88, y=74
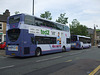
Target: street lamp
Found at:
x=33, y=8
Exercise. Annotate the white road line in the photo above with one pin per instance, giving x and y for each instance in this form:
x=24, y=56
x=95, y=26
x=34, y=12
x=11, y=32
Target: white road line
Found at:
x=7, y=67
x=68, y=61
x=75, y=53
x=49, y=59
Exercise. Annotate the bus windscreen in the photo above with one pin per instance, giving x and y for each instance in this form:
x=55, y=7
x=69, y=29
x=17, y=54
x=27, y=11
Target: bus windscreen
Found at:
x=73, y=38
x=14, y=19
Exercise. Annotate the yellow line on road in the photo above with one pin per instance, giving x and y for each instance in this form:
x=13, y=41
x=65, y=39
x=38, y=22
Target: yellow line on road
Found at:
x=95, y=70
x=68, y=61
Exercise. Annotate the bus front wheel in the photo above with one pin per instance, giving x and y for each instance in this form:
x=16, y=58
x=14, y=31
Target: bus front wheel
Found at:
x=38, y=52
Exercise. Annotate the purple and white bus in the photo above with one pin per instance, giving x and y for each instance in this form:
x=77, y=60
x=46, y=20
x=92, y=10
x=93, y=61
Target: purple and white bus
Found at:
x=80, y=42
x=28, y=35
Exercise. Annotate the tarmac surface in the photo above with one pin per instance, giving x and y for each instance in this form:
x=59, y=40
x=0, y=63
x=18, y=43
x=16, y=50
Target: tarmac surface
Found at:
x=80, y=67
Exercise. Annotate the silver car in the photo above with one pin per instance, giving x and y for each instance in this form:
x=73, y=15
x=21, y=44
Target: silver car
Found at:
x=99, y=45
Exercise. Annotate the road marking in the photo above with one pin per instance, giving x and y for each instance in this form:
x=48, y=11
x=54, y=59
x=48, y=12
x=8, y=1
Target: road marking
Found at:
x=68, y=61
x=48, y=59
x=95, y=70
x=7, y=67
x=77, y=58
x=75, y=53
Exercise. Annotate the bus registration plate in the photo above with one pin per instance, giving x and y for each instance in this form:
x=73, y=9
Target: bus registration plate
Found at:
x=12, y=53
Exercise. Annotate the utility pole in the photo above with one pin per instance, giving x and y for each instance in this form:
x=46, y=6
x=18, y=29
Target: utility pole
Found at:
x=94, y=36
x=33, y=8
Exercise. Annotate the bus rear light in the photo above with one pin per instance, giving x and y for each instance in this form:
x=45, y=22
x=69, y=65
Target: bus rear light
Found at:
x=77, y=44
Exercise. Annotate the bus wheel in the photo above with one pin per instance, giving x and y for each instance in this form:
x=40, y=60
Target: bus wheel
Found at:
x=38, y=52
x=63, y=49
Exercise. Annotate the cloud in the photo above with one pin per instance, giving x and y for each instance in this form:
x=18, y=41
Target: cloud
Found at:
x=85, y=11
x=91, y=11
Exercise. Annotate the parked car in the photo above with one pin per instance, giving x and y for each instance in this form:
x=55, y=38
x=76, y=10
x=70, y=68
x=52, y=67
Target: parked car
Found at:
x=3, y=45
x=99, y=45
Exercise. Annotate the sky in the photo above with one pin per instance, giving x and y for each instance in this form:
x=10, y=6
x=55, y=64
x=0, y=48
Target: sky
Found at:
x=87, y=12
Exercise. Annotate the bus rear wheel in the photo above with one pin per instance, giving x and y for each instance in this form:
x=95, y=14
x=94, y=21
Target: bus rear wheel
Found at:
x=63, y=49
x=38, y=52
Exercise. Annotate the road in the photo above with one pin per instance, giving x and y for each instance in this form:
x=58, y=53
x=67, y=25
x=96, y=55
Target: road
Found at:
x=75, y=62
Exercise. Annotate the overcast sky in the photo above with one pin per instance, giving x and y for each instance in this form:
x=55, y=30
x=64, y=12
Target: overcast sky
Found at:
x=87, y=12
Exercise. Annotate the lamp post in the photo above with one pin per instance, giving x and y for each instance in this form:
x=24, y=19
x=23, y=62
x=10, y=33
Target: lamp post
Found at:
x=33, y=8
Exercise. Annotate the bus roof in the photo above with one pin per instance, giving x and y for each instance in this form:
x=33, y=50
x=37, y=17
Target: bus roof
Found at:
x=42, y=19
x=81, y=36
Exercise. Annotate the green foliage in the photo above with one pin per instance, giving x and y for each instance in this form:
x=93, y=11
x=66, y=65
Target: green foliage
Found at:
x=17, y=12
x=77, y=29
x=46, y=15
x=97, y=29
x=62, y=19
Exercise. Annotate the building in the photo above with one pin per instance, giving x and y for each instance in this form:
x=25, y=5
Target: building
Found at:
x=3, y=22
x=95, y=36
x=98, y=37
x=90, y=34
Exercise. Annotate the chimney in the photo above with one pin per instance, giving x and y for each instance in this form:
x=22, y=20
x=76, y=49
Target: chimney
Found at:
x=6, y=13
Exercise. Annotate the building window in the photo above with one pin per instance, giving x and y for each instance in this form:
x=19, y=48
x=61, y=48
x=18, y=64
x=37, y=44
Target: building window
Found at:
x=1, y=26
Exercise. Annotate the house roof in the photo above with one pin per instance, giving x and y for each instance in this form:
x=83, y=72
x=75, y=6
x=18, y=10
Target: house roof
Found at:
x=3, y=18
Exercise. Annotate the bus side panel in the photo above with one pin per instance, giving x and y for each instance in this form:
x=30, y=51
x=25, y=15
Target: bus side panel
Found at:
x=86, y=45
x=28, y=47
x=68, y=45
x=51, y=48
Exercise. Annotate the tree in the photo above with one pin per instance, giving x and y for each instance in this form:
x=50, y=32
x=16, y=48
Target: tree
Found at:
x=62, y=19
x=17, y=12
x=97, y=29
x=77, y=29
x=46, y=15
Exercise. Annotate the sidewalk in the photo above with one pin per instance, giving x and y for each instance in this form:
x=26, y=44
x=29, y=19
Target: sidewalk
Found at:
x=2, y=53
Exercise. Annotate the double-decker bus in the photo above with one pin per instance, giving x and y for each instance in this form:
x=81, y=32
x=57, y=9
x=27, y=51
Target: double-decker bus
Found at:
x=80, y=42
x=28, y=35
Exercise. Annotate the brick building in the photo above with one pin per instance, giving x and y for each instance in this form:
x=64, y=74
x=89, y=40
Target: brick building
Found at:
x=3, y=22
